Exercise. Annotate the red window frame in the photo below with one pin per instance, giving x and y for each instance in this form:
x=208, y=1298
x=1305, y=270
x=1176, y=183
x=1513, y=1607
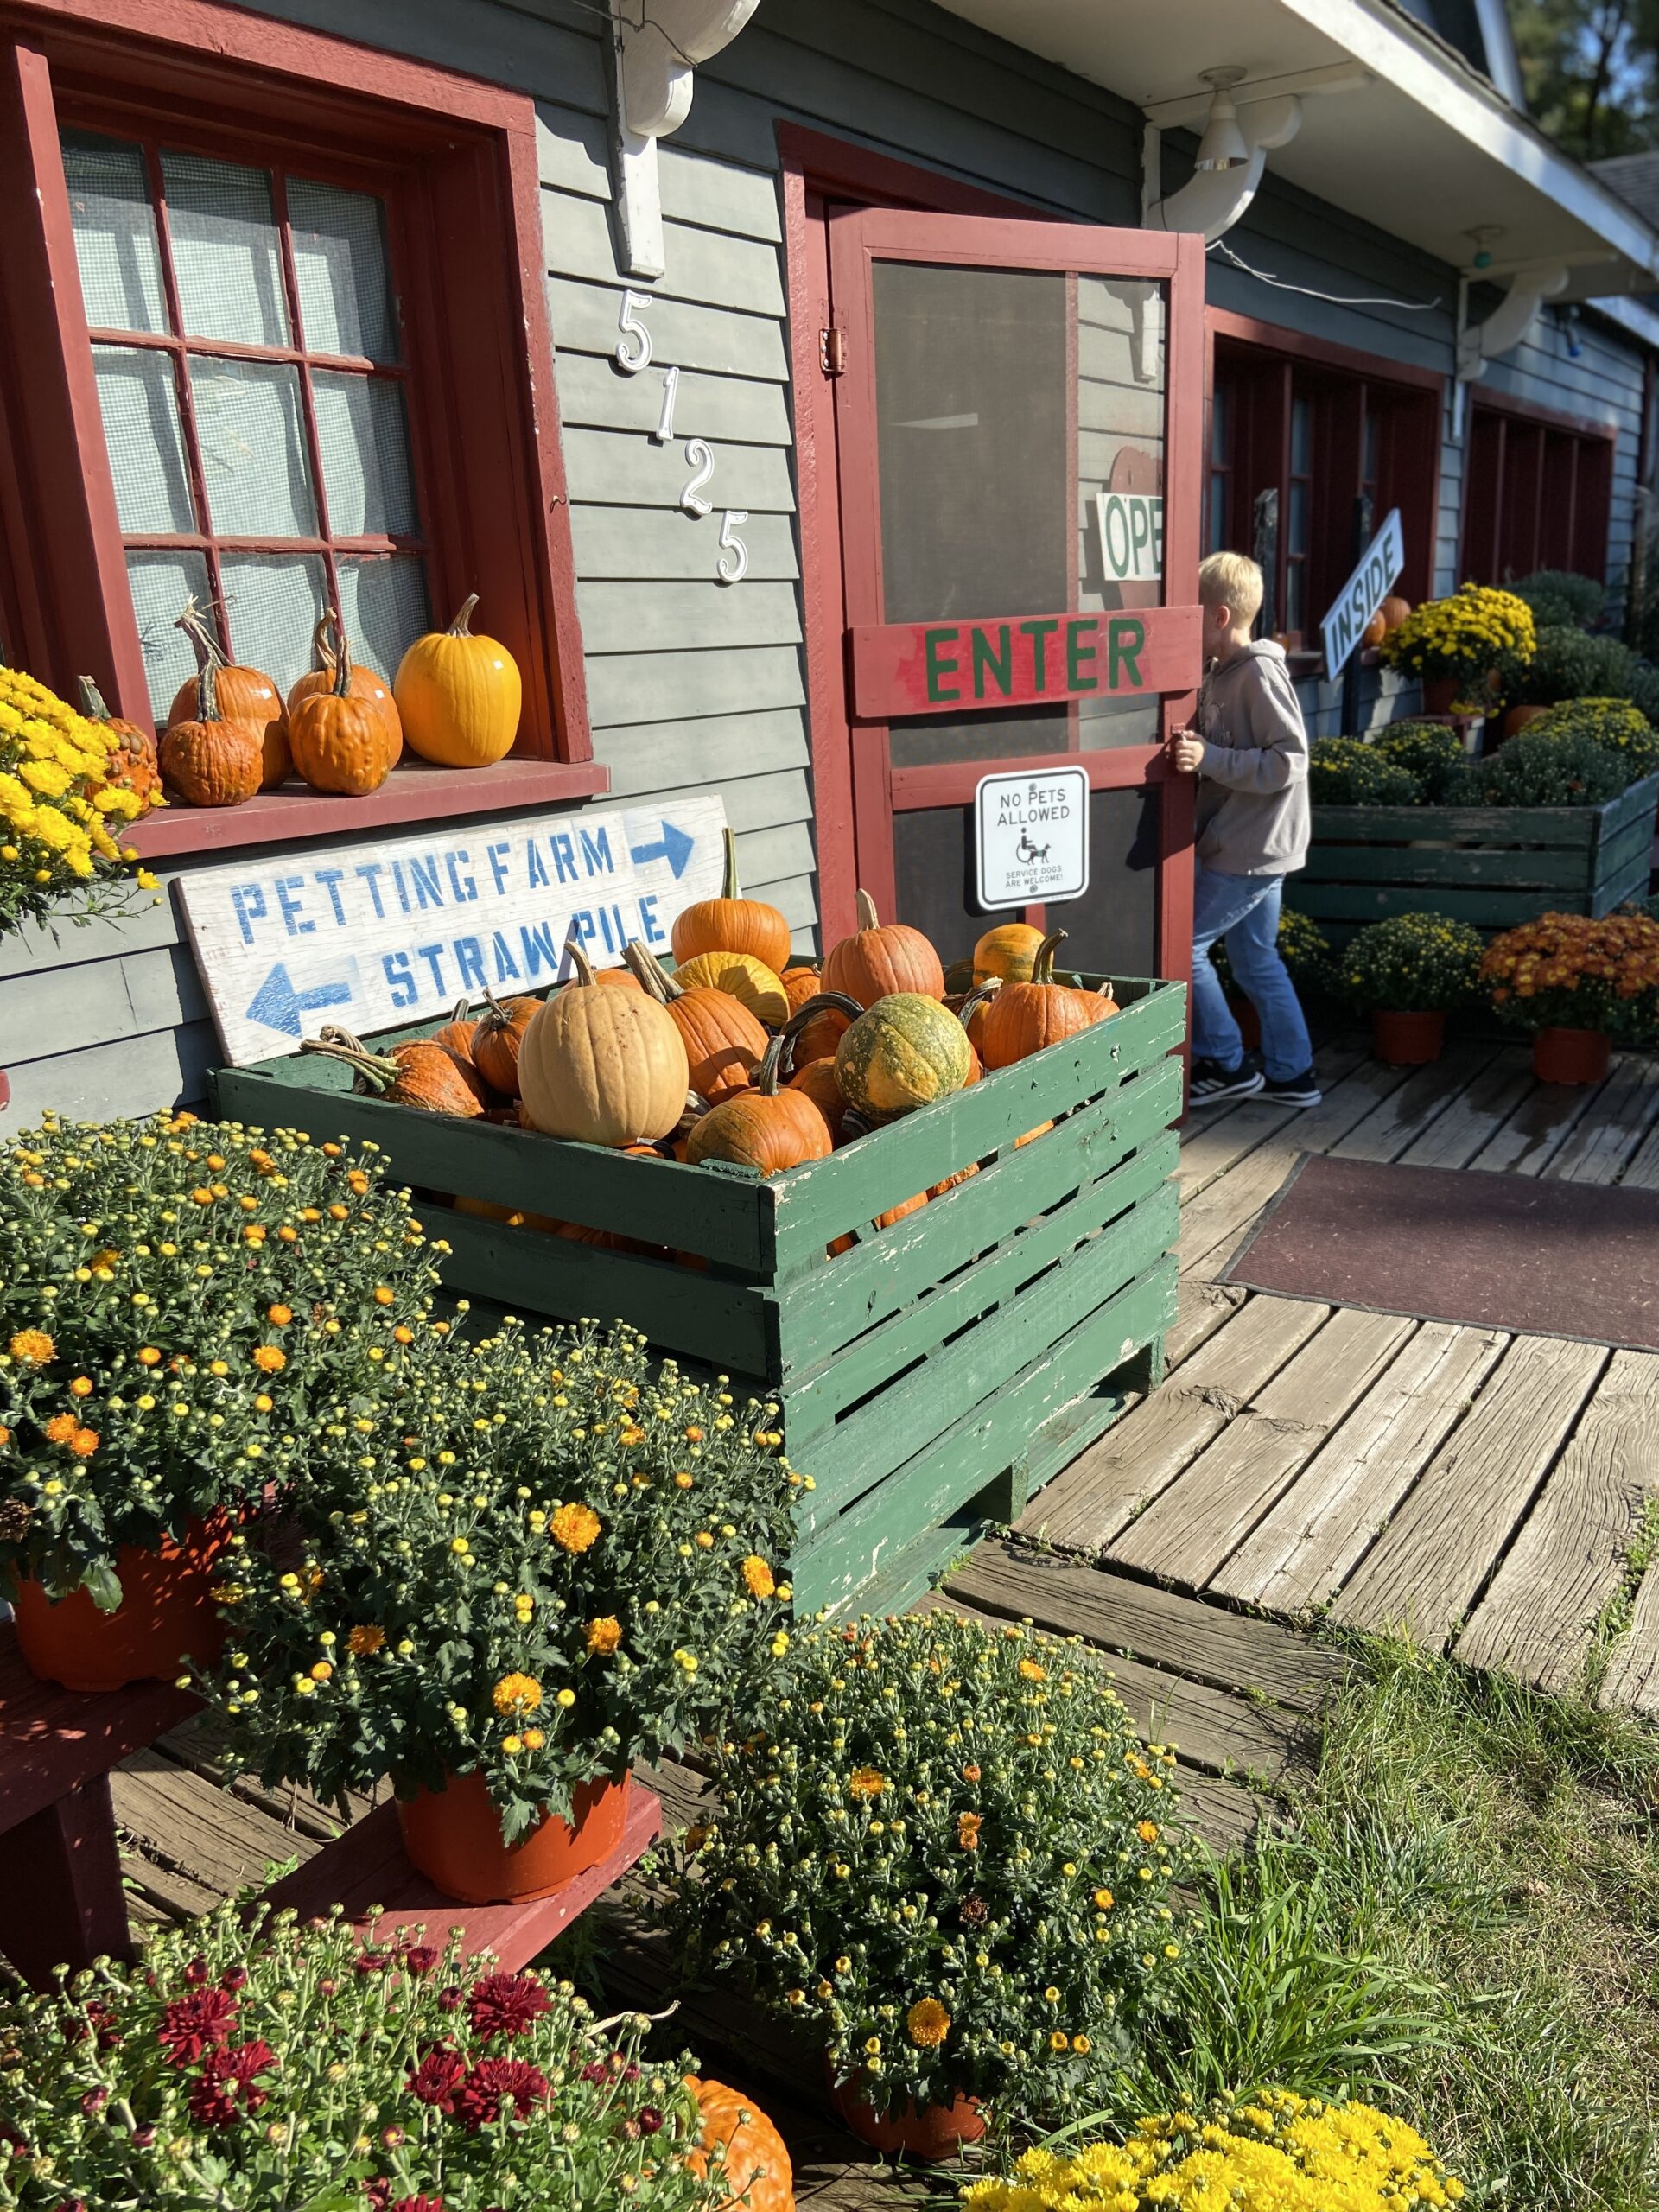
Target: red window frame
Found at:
x=181, y=349
x=455, y=162
x=1537, y=492
x=1375, y=430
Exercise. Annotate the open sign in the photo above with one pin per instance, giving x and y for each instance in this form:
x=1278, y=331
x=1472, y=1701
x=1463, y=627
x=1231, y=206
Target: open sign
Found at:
x=1130, y=528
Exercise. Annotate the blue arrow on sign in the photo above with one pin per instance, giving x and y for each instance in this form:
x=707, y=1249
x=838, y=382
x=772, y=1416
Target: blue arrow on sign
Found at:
x=277, y=1005
x=676, y=848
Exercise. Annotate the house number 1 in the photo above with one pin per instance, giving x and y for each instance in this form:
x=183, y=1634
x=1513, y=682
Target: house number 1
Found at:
x=631, y=358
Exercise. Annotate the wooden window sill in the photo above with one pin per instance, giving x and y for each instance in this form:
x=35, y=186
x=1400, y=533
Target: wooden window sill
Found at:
x=415, y=792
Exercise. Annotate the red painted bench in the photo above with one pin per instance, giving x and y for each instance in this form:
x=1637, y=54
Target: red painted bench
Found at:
x=367, y=1866
x=62, y=1902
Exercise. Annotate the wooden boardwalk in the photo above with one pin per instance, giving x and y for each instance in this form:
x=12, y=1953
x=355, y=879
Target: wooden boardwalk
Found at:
x=1489, y=1494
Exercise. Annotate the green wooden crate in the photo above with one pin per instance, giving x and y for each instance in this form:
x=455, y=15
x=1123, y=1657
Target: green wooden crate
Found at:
x=930, y=1377
x=1493, y=865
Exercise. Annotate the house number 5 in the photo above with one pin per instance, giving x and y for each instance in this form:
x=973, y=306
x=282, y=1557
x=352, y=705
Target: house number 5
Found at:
x=733, y=543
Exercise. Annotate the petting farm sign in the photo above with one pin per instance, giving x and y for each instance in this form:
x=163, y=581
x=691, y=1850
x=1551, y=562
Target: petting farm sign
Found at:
x=1364, y=592
x=377, y=935
x=953, y=668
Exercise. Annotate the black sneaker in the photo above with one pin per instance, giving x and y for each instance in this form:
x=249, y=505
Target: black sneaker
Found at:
x=1212, y=1083
x=1291, y=1089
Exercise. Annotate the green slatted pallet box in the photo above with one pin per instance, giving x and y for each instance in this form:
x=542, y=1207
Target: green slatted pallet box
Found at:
x=930, y=1377
x=1493, y=865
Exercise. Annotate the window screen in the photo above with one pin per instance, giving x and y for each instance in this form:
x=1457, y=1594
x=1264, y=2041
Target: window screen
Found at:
x=255, y=404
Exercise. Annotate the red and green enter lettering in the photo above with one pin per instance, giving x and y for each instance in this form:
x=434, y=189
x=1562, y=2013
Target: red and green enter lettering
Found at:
x=1051, y=656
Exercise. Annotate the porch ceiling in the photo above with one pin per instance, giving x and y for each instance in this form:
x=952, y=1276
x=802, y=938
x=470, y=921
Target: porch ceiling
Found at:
x=1426, y=149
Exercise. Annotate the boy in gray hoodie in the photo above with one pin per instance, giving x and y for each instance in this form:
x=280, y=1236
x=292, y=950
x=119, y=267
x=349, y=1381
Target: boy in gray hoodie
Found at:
x=1251, y=755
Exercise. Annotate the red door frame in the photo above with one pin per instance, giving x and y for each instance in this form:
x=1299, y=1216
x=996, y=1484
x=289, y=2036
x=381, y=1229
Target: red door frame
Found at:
x=813, y=164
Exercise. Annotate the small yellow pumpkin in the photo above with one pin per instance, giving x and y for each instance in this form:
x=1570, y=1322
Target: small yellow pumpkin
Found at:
x=459, y=696
x=1006, y=953
x=743, y=977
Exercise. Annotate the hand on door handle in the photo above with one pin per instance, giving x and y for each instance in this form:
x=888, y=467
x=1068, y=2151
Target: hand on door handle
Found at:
x=1184, y=750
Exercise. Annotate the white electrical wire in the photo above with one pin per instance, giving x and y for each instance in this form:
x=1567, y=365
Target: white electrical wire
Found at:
x=1333, y=299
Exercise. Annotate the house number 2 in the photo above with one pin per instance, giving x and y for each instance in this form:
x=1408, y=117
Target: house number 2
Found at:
x=632, y=354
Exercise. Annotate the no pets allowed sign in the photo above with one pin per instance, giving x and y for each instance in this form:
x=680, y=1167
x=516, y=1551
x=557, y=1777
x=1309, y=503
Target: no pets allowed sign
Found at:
x=1033, y=837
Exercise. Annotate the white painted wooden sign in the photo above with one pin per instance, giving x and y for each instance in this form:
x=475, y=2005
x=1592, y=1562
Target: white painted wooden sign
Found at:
x=376, y=937
x=1130, y=528
x=1364, y=592
x=1033, y=840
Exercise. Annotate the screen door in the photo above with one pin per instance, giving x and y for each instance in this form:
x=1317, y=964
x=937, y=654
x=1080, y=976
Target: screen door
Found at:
x=1018, y=414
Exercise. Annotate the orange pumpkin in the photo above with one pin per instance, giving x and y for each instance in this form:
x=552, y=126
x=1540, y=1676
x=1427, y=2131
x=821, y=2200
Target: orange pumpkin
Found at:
x=732, y=922
x=245, y=694
x=459, y=696
x=757, y=2172
x=618, y=978
x=816, y=1080
x=900, y=1212
x=328, y=641
x=133, y=764
x=799, y=985
x=1024, y=1018
x=876, y=961
x=724, y=1042
x=1376, y=630
x=497, y=1036
x=939, y=1190
x=1394, y=610
x=337, y=738
x=209, y=760
x=763, y=1126
x=512, y=1216
x=420, y=1073
x=457, y=1033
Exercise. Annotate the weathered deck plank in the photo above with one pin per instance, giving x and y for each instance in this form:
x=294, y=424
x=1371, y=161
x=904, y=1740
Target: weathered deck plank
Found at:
x=1431, y=1562
x=1203, y=1517
x=1319, y=1529
x=1627, y=1107
x=1474, y=1117
x=1100, y=1493
x=1411, y=1109
x=1536, y=1130
x=1573, y=1544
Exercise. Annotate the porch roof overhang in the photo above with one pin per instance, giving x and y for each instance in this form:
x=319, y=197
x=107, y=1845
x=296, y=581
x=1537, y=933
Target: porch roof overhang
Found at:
x=1423, y=146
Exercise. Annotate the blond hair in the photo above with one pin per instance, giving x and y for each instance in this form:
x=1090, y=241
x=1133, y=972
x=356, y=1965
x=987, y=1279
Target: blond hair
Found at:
x=1232, y=581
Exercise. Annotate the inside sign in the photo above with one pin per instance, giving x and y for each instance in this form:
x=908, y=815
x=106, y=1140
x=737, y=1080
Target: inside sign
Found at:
x=375, y=937
x=1033, y=837
x=1364, y=592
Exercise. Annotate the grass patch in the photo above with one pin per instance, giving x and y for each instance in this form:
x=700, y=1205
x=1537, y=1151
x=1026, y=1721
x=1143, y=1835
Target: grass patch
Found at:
x=1462, y=1921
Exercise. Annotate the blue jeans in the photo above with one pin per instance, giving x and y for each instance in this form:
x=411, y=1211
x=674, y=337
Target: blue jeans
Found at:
x=1244, y=910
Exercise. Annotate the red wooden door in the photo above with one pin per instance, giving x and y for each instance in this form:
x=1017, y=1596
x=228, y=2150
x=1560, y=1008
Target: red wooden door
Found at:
x=1017, y=419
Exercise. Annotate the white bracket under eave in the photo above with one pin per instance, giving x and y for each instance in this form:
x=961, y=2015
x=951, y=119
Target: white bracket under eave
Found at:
x=1215, y=199
x=1505, y=329
x=655, y=47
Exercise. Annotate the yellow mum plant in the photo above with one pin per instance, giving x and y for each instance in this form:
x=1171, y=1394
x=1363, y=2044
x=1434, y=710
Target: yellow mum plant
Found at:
x=61, y=807
x=1278, y=2152
x=1477, y=634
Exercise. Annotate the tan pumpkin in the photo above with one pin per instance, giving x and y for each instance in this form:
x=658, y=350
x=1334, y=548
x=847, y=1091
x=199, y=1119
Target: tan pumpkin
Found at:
x=133, y=764
x=245, y=695
x=731, y=923
x=327, y=642
x=498, y=1037
x=209, y=760
x=459, y=696
x=877, y=961
x=419, y=1073
x=1005, y=954
x=1026, y=1018
x=602, y=1066
x=724, y=1043
x=905, y=1051
x=764, y=1127
x=756, y=2170
x=747, y=980
x=337, y=738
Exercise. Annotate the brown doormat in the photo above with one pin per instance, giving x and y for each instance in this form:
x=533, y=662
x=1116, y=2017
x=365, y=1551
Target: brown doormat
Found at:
x=1453, y=1245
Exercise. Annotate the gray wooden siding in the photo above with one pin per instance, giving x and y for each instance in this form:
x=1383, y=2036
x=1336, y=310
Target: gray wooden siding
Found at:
x=695, y=687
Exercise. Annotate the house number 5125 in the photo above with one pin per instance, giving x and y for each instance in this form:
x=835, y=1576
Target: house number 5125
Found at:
x=633, y=353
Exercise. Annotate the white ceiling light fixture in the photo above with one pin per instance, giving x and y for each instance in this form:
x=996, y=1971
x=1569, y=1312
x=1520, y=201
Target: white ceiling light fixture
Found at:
x=1224, y=145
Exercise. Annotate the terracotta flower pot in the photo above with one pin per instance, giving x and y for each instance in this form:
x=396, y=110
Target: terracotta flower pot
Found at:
x=453, y=1836
x=1439, y=694
x=1570, y=1055
x=165, y=1613
x=934, y=2131
x=1250, y=1021
x=1518, y=717
x=1407, y=1041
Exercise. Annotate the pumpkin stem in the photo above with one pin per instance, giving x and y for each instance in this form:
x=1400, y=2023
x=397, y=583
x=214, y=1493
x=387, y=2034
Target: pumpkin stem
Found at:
x=206, y=646
x=460, y=627
x=728, y=880
x=342, y=683
x=581, y=966
x=207, y=693
x=92, y=701
x=462, y=1008
x=766, y=1075
x=374, y=1073
x=820, y=1002
x=980, y=995
x=1042, y=965
x=868, y=919
x=653, y=977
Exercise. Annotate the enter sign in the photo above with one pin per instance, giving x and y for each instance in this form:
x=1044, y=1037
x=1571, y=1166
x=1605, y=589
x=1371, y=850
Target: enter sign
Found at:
x=953, y=668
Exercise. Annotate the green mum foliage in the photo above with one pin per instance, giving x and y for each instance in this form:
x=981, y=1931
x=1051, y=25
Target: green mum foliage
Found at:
x=1559, y=597
x=1413, y=964
x=1616, y=725
x=1347, y=772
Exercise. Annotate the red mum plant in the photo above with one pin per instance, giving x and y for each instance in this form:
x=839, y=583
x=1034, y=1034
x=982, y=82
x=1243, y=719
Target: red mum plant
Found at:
x=181, y=2080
